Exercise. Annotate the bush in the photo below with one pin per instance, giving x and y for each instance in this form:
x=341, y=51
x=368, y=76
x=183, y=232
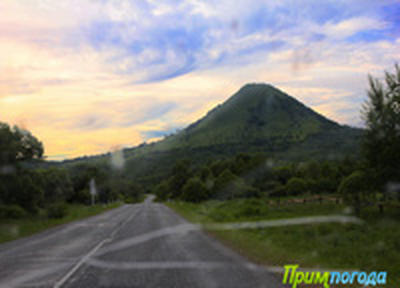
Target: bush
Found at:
x=12, y=212
x=223, y=185
x=131, y=199
x=195, y=190
x=57, y=211
x=296, y=186
x=278, y=191
x=237, y=209
x=251, y=208
x=354, y=189
x=220, y=215
x=241, y=190
x=81, y=196
x=162, y=191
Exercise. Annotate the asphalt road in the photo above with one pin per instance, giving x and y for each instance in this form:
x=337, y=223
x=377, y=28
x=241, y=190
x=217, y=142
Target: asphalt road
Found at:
x=141, y=245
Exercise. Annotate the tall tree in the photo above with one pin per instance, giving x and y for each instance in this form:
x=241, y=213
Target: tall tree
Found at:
x=17, y=144
x=381, y=113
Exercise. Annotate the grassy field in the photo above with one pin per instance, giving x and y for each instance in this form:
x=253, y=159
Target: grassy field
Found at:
x=374, y=245
x=12, y=229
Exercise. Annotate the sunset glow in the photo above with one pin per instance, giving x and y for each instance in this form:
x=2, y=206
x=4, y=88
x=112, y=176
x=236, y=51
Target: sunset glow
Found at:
x=85, y=76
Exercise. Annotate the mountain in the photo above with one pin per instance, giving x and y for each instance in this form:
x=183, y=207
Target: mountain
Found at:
x=258, y=118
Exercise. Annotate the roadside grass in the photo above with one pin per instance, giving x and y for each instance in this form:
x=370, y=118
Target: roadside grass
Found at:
x=372, y=246
x=11, y=229
x=250, y=210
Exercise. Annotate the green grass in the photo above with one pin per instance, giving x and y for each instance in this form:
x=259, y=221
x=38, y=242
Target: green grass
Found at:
x=372, y=246
x=11, y=229
x=249, y=210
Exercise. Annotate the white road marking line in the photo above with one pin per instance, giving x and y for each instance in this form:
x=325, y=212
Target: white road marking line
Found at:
x=78, y=265
x=187, y=227
x=208, y=265
x=285, y=222
x=71, y=272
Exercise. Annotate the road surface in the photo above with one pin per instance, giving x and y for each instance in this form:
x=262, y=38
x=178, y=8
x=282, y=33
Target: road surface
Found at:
x=141, y=245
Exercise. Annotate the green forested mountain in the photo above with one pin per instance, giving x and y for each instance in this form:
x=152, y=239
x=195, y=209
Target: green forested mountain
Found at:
x=263, y=118
x=259, y=118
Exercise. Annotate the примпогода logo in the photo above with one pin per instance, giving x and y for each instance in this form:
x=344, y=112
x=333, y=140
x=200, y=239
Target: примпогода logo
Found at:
x=295, y=278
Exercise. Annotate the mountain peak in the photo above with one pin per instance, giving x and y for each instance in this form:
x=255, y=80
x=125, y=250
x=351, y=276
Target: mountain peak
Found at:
x=258, y=92
x=252, y=88
x=258, y=117
x=256, y=84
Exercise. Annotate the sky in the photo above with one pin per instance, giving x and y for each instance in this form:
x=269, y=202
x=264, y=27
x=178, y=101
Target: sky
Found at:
x=90, y=76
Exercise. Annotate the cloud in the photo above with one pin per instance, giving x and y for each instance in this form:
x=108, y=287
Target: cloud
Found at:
x=349, y=27
x=91, y=122
x=151, y=134
x=85, y=76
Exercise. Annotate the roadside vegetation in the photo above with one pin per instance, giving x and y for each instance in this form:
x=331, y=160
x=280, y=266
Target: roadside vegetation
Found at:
x=260, y=187
x=35, y=195
x=26, y=225
x=370, y=246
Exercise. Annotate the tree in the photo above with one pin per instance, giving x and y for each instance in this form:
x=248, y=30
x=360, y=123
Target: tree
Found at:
x=283, y=174
x=17, y=144
x=195, y=190
x=242, y=163
x=223, y=184
x=242, y=190
x=219, y=166
x=277, y=190
x=81, y=174
x=162, y=190
x=205, y=173
x=28, y=146
x=181, y=172
x=381, y=113
x=55, y=182
x=296, y=186
x=354, y=189
x=28, y=194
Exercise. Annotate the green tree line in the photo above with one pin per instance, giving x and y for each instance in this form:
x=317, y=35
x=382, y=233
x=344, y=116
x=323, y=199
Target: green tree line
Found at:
x=27, y=190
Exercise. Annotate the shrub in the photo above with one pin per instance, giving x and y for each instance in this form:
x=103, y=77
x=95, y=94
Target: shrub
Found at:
x=162, y=190
x=57, y=211
x=296, y=186
x=223, y=185
x=12, y=212
x=354, y=189
x=245, y=191
x=278, y=191
x=81, y=196
x=250, y=211
x=220, y=215
x=194, y=190
x=131, y=199
x=251, y=208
